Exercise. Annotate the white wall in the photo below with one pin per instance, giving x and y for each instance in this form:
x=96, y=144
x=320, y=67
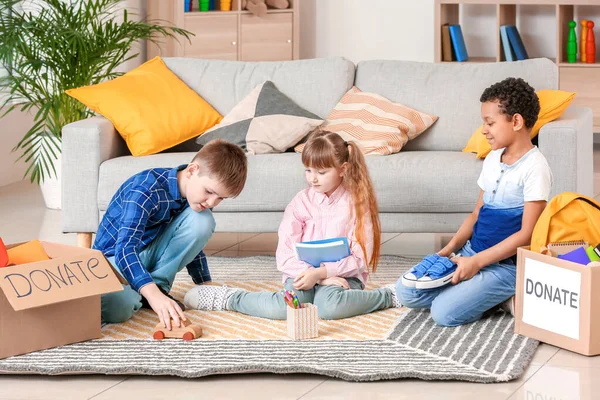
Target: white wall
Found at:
x=137, y=7
x=367, y=29
x=12, y=128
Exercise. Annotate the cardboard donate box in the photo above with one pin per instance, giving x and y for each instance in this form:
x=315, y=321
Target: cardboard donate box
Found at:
x=54, y=302
x=558, y=302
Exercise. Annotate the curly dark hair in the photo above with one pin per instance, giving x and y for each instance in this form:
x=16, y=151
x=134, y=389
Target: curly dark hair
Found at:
x=515, y=97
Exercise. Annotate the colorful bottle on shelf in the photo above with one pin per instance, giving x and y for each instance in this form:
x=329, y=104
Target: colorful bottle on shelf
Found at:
x=203, y=5
x=225, y=5
x=583, y=39
x=187, y=6
x=590, y=44
x=211, y=5
x=572, y=43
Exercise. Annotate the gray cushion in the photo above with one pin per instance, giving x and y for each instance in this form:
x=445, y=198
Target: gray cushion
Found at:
x=450, y=91
x=315, y=85
x=266, y=121
x=405, y=182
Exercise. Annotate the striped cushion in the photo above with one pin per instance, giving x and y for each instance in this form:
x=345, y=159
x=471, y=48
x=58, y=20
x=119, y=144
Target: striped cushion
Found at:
x=375, y=123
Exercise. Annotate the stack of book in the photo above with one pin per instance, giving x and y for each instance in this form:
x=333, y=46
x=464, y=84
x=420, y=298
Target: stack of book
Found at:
x=454, y=49
x=512, y=44
x=453, y=44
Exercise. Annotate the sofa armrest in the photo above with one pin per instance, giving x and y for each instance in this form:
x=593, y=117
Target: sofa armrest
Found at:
x=567, y=144
x=85, y=145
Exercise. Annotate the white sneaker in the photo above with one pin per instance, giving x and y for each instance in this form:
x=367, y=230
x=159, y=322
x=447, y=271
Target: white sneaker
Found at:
x=208, y=297
x=509, y=306
x=409, y=279
x=439, y=274
x=395, y=301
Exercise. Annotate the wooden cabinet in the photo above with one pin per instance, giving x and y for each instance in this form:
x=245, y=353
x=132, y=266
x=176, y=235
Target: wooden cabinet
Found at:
x=554, y=15
x=228, y=35
x=266, y=39
x=586, y=83
x=216, y=37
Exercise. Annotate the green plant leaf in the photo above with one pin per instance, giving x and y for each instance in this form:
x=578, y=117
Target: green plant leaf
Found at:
x=51, y=46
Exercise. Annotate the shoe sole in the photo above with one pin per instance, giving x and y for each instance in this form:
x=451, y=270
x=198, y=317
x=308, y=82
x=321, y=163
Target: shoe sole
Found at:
x=434, y=283
x=408, y=282
x=412, y=282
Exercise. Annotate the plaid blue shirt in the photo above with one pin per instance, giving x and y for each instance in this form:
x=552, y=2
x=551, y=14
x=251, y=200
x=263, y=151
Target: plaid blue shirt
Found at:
x=136, y=215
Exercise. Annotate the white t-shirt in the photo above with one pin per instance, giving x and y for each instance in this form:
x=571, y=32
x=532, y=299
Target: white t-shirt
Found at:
x=509, y=186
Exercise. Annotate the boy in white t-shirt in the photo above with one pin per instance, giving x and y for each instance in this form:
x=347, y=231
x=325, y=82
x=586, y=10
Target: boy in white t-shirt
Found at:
x=515, y=185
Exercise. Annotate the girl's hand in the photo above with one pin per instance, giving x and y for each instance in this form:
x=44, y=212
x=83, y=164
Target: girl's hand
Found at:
x=309, y=278
x=335, y=281
x=465, y=270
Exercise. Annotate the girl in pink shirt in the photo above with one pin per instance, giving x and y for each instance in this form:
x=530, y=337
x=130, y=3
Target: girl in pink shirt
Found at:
x=339, y=202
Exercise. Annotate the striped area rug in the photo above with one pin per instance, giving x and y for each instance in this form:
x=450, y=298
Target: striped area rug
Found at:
x=395, y=343
x=259, y=274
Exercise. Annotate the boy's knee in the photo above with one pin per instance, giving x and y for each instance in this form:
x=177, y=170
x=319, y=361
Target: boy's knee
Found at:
x=407, y=296
x=200, y=224
x=120, y=306
x=445, y=316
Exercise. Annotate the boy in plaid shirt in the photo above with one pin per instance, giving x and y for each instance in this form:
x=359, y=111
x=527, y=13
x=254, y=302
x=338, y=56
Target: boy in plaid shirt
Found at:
x=158, y=222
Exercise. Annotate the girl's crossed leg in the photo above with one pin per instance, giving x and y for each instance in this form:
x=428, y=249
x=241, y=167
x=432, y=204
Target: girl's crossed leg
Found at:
x=333, y=302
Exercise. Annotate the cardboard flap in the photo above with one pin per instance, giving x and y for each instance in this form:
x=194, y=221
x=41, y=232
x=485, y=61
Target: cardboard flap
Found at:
x=69, y=276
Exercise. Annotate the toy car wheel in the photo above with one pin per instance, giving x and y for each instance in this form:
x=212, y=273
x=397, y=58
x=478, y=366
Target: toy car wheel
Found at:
x=159, y=335
x=188, y=336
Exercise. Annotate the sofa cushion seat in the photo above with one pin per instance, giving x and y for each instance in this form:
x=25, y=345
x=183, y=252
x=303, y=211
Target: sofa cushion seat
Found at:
x=411, y=181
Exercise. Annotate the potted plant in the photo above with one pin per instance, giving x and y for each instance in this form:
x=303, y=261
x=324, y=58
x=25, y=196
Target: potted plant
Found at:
x=49, y=46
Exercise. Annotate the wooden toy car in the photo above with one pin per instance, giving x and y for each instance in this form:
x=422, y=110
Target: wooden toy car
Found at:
x=187, y=331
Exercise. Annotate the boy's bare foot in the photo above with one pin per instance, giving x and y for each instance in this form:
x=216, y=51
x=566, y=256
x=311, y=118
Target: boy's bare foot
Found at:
x=509, y=306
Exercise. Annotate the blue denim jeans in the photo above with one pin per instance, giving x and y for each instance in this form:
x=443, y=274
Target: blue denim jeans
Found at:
x=333, y=302
x=454, y=305
x=179, y=243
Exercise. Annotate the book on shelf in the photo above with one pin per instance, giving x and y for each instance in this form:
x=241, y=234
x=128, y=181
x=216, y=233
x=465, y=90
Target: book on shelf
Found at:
x=458, y=43
x=320, y=251
x=516, y=42
x=447, y=51
x=508, y=52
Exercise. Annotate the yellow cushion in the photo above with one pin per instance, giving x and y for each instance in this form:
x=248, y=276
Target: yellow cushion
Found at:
x=150, y=107
x=552, y=104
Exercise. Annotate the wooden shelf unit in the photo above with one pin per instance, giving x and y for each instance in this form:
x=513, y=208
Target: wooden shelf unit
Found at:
x=228, y=35
x=577, y=77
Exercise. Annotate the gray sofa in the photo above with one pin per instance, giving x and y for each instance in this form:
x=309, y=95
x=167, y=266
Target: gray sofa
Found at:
x=429, y=186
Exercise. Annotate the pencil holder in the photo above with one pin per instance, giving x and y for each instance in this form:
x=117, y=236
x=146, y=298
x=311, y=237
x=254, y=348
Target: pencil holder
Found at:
x=303, y=323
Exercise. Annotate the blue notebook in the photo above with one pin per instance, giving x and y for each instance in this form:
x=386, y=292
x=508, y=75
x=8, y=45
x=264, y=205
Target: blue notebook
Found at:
x=319, y=251
x=516, y=42
x=578, y=256
x=508, y=53
x=458, y=43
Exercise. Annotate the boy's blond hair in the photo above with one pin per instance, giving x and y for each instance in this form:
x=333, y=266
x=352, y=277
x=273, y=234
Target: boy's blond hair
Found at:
x=224, y=162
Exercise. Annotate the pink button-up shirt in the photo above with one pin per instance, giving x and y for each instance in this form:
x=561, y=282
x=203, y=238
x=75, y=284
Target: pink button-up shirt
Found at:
x=314, y=216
